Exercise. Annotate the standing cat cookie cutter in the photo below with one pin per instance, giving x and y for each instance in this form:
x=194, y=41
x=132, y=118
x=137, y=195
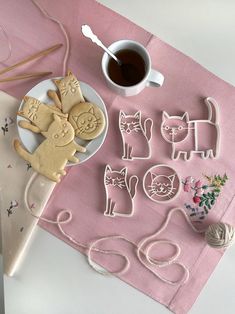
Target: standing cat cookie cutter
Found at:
x=119, y=192
x=161, y=183
x=135, y=137
x=186, y=136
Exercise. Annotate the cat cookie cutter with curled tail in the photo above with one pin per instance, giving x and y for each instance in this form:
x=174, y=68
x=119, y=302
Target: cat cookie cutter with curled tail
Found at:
x=161, y=183
x=135, y=137
x=193, y=136
x=119, y=192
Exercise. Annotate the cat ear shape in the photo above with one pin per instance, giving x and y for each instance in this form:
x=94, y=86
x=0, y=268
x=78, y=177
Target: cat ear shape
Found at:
x=165, y=116
x=122, y=114
x=69, y=73
x=123, y=171
x=56, y=82
x=185, y=117
x=153, y=176
x=26, y=98
x=56, y=117
x=108, y=168
x=137, y=115
x=91, y=110
x=171, y=178
x=44, y=133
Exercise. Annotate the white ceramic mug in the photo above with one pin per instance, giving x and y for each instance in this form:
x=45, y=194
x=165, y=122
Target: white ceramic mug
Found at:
x=151, y=78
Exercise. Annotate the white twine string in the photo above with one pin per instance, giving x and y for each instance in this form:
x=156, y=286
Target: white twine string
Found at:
x=143, y=247
x=8, y=44
x=66, y=55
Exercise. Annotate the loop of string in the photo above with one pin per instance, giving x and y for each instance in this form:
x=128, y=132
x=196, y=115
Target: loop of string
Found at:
x=9, y=46
x=67, y=42
x=143, y=248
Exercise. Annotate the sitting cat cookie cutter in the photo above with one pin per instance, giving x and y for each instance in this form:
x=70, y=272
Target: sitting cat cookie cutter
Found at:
x=187, y=136
x=161, y=183
x=119, y=192
x=135, y=136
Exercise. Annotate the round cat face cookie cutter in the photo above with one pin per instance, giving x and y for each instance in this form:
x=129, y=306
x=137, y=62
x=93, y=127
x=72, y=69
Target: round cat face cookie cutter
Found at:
x=161, y=183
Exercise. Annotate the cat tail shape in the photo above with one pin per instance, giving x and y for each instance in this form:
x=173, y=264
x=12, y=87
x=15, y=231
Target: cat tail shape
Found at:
x=133, y=181
x=22, y=152
x=148, y=125
x=213, y=110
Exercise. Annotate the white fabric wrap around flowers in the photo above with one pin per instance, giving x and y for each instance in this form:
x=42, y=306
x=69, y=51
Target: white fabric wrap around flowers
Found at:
x=17, y=222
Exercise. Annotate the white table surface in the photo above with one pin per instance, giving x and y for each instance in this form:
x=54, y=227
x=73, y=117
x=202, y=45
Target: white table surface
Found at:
x=54, y=278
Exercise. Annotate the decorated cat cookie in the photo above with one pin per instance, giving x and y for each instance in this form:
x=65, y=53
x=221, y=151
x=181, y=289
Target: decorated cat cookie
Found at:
x=69, y=91
x=193, y=136
x=87, y=120
x=39, y=115
x=52, y=155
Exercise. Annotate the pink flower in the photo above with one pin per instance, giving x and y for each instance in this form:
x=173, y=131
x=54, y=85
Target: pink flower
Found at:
x=198, y=184
x=186, y=187
x=196, y=199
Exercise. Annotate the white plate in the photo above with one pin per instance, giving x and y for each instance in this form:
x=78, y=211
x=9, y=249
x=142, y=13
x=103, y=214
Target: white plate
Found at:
x=32, y=140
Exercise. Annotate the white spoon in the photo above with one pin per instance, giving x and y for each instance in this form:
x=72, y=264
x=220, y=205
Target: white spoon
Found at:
x=87, y=32
x=128, y=70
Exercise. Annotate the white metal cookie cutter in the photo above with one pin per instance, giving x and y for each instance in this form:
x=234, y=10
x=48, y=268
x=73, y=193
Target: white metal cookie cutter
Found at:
x=119, y=192
x=193, y=136
x=161, y=183
x=136, y=136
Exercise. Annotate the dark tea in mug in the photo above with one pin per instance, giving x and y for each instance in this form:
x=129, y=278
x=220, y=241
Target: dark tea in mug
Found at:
x=132, y=70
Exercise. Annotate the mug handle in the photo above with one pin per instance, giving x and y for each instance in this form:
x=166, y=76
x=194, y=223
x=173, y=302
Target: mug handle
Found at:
x=155, y=79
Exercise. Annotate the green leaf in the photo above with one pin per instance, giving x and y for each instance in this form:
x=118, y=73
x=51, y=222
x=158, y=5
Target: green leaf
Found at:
x=201, y=203
x=204, y=187
x=212, y=202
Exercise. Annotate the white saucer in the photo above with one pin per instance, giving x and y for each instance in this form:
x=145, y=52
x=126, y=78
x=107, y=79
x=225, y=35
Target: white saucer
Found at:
x=32, y=140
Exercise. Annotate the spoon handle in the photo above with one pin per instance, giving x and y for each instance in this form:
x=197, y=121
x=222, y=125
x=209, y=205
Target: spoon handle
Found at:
x=87, y=32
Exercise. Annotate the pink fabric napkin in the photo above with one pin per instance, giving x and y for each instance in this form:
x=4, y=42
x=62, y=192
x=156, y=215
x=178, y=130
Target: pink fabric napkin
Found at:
x=82, y=191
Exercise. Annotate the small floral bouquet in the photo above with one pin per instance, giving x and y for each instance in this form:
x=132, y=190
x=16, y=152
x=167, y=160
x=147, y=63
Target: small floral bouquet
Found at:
x=203, y=195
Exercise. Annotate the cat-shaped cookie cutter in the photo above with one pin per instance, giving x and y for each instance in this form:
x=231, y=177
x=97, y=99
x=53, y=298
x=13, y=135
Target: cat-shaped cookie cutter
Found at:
x=132, y=126
x=193, y=127
x=161, y=183
x=125, y=192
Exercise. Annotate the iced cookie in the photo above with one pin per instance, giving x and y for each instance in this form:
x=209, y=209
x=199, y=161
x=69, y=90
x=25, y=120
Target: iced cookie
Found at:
x=69, y=91
x=39, y=114
x=87, y=119
x=52, y=155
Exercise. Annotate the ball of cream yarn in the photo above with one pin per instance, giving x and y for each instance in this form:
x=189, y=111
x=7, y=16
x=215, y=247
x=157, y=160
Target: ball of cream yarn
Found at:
x=220, y=235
